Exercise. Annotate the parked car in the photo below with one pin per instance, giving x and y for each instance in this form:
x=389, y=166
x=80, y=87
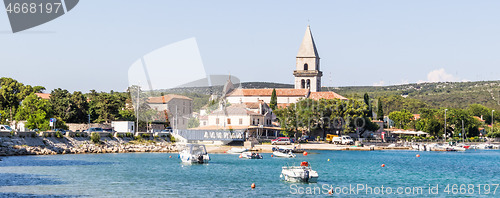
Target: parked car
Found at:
x=281, y=140
x=108, y=130
x=306, y=138
x=5, y=128
x=94, y=129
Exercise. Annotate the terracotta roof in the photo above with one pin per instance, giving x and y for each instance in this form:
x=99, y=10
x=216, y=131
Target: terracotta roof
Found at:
x=268, y=92
x=283, y=105
x=326, y=95
x=166, y=98
x=235, y=109
x=43, y=95
x=478, y=118
x=416, y=116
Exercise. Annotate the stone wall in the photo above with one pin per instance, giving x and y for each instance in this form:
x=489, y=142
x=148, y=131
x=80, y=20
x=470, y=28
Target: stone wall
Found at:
x=81, y=127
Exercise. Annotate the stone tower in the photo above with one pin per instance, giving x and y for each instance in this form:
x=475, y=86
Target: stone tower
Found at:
x=307, y=73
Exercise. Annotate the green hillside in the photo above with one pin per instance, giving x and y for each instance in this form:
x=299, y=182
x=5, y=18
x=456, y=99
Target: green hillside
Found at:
x=408, y=96
x=442, y=94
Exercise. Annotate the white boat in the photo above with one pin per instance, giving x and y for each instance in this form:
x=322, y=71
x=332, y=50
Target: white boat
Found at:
x=302, y=173
x=458, y=148
x=284, y=153
x=250, y=155
x=236, y=150
x=194, y=153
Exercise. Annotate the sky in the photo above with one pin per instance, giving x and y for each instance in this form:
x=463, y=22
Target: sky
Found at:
x=383, y=42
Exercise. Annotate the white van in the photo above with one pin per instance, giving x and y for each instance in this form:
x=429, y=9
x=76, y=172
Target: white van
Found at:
x=344, y=139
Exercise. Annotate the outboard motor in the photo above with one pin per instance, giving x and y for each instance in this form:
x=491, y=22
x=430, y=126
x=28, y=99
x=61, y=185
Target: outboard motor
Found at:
x=200, y=159
x=306, y=176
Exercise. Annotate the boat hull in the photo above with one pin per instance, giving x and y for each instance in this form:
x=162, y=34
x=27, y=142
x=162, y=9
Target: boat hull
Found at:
x=285, y=155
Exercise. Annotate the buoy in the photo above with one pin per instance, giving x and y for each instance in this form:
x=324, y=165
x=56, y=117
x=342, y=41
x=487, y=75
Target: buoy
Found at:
x=305, y=153
x=328, y=159
x=418, y=155
x=169, y=156
x=272, y=156
x=330, y=191
x=241, y=156
x=253, y=185
x=383, y=165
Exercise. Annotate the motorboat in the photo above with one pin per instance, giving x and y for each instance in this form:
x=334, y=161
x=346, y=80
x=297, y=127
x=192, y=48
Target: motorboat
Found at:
x=194, y=153
x=288, y=153
x=236, y=150
x=250, y=155
x=302, y=173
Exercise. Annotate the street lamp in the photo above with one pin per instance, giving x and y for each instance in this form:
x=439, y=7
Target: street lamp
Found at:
x=445, y=124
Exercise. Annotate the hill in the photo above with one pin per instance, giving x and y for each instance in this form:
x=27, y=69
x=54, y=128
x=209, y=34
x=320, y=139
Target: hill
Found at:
x=440, y=94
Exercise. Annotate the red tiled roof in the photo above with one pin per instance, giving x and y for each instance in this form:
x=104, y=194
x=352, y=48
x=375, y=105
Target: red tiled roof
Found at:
x=268, y=92
x=478, y=118
x=416, y=116
x=283, y=105
x=43, y=95
x=166, y=98
x=326, y=95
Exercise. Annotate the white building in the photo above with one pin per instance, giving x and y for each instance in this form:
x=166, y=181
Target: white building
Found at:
x=239, y=116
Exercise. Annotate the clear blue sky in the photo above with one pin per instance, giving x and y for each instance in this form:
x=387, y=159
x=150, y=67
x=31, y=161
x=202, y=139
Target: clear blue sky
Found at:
x=359, y=42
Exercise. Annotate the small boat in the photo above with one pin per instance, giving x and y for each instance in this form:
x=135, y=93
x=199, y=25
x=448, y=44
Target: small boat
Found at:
x=250, y=155
x=302, y=173
x=284, y=153
x=236, y=150
x=194, y=153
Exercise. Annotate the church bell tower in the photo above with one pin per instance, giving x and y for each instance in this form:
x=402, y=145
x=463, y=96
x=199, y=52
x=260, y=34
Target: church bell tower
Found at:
x=307, y=73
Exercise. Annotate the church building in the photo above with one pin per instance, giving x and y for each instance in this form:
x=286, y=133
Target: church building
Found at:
x=307, y=80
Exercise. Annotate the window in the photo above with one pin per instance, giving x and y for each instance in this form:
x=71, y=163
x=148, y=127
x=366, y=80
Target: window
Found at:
x=241, y=121
x=306, y=67
x=303, y=84
x=216, y=120
x=308, y=84
x=229, y=121
x=204, y=123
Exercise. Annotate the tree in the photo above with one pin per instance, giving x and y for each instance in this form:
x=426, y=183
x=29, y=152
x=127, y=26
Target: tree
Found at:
x=35, y=111
x=274, y=101
x=367, y=102
x=402, y=118
x=380, y=110
x=80, y=108
x=193, y=122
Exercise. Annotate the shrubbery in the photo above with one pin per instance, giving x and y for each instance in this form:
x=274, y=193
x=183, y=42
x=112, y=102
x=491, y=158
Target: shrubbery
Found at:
x=59, y=134
x=95, y=138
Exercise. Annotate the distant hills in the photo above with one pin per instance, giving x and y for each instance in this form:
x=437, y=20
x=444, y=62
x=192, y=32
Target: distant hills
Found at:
x=441, y=94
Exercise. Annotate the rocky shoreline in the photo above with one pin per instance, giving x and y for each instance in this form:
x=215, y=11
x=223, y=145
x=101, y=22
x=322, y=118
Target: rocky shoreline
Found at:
x=12, y=146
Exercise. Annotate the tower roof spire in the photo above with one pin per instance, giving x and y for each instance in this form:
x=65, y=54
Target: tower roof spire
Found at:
x=308, y=48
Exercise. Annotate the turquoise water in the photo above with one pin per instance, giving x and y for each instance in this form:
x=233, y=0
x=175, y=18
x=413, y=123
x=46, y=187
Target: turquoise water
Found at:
x=157, y=175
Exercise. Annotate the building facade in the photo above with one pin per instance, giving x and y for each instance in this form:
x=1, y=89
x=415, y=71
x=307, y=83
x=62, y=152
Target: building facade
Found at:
x=179, y=108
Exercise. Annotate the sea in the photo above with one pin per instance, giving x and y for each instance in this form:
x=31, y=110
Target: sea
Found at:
x=394, y=173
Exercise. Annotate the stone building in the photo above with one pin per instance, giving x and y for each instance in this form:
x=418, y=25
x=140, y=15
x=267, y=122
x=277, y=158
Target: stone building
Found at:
x=179, y=108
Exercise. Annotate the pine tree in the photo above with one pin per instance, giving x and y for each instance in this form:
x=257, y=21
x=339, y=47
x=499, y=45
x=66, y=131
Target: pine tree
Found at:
x=367, y=102
x=380, y=110
x=274, y=101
